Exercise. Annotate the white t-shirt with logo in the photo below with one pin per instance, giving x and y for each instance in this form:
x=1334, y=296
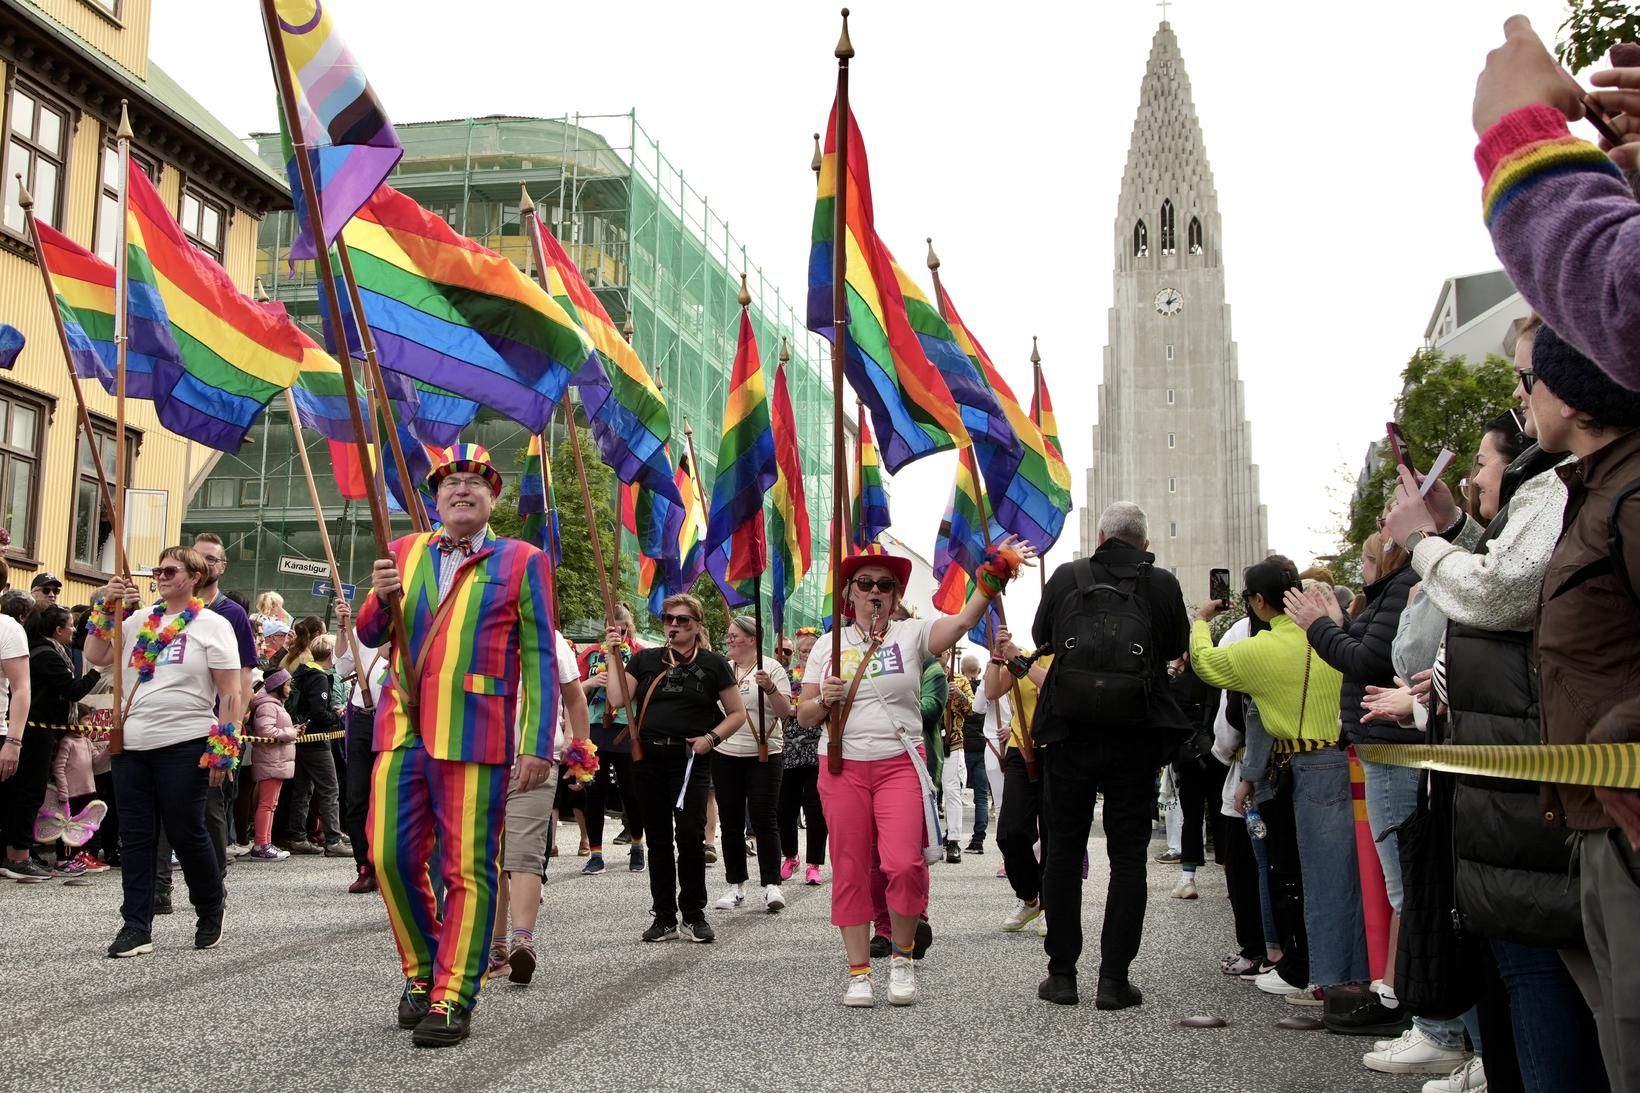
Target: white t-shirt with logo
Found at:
x=13, y=643
x=744, y=741
x=179, y=703
x=889, y=700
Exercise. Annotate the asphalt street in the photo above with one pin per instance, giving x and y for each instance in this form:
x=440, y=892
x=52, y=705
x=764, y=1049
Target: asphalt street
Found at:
x=302, y=992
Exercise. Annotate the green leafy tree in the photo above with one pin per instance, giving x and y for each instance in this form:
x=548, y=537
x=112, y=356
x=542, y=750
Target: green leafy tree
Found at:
x=1592, y=28
x=1445, y=403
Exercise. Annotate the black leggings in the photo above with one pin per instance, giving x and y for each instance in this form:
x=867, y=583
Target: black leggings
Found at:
x=747, y=789
x=800, y=789
x=1199, y=784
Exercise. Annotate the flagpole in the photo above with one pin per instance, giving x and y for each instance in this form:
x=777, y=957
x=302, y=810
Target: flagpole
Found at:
x=779, y=588
x=612, y=659
x=700, y=499
x=839, y=349
x=1036, y=400
x=380, y=520
x=1027, y=750
x=744, y=298
x=122, y=317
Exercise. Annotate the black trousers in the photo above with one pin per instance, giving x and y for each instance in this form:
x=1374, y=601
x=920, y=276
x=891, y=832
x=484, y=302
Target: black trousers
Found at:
x=1019, y=827
x=24, y=792
x=677, y=871
x=1200, y=783
x=356, y=798
x=748, y=791
x=166, y=785
x=800, y=789
x=595, y=795
x=1074, y=773
x=1287, y=886
x=1241, y=878
x=218, y=804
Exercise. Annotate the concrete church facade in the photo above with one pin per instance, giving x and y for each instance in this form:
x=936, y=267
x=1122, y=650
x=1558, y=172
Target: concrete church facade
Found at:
x=1172, y=434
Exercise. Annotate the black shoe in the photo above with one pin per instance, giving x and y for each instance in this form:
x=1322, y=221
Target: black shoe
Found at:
x=923, y=939
x=623, y=838
x=976, y=845
x=698, y=929
x=209, y=929
x=634, y=860
x=1116, y=994
x=414, y=1002
x=1169, y=857
x=131, y=941
x=162, y=906
x=953, y=853
x=446, y=1023
x=880, y=946
x=662, y=929
x=1369, y=1018
x=711, y=853
x=1059, y=989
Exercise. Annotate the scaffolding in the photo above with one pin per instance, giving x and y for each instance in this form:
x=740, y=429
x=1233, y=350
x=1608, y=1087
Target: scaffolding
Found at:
x=648, y=244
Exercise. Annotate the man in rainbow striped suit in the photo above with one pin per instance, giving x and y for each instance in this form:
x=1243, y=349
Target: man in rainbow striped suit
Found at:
x=480, y=661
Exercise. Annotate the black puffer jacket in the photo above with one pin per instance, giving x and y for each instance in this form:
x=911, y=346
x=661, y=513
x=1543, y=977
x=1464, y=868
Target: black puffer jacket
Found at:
x=1361, y=652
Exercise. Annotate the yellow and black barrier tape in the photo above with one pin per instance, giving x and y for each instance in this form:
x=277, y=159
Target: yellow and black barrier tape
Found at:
x=1615, y=766
x=308, y=738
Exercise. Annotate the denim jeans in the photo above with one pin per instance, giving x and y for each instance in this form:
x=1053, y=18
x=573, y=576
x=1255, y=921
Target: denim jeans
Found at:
x=1332, y=884
x=981, y=786
x=1392, y=797
x=164, y=788
x=1555, y=1038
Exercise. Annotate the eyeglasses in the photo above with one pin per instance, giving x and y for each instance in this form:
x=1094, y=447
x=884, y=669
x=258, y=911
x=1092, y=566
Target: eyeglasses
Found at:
x=50, y=589
x=1528, y=379
x=881, y=584
x=214, y=561
x=166, y=572
x=468, y=481
x=678, y=620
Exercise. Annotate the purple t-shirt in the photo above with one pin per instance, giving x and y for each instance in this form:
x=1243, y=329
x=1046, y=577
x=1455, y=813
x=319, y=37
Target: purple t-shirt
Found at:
x=241, y=624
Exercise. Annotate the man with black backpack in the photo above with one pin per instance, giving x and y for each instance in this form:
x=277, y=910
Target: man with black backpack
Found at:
x=1106, y=722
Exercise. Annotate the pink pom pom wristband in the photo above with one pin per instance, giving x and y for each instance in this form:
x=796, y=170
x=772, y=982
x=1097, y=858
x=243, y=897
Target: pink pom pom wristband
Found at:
x=999, y=567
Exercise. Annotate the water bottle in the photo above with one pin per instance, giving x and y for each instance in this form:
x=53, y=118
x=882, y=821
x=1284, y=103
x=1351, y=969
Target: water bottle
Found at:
x=1255, y=823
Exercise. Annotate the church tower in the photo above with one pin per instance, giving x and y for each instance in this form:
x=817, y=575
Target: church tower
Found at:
x=1172, y=434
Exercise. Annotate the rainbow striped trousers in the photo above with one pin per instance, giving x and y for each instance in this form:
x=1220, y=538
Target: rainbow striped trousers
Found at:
x=414, y=797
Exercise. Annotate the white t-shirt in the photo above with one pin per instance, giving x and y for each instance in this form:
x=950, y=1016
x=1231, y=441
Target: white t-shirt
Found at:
x=179, y=703
x=744, y=741
x=568, y=673
x=889, y=700
x=13, y=643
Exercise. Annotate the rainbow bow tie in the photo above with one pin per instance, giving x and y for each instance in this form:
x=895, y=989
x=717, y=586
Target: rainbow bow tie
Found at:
x=463, y=544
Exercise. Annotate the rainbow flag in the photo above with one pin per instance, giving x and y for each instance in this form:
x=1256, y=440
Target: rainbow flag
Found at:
x=959, y=546
x=458, y=315
x=234, y=356
x=788, y=511
x=887, y=364
x=11, y=344
x=536, y=503
x=625, y=408
x=663, y=577
x=350, y=143
x=433, y=415
x=82, y=287
x=352, y=477
x=320, y=393
x=869, y=508
x=736, y=551
x=1030, y=501
x=1042, y=414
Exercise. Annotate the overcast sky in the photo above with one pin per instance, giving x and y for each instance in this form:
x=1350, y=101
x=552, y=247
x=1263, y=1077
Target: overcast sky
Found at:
x=1339, y=138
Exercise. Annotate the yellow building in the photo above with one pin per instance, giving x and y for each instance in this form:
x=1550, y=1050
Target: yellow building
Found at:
x=66, y=64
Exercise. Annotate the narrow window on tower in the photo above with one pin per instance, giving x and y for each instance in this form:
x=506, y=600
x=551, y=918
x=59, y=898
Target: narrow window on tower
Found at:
x=1141, y=240
x=1170, y=352
x=1169, y=240
x=1172, y=485
x=1171, y=441
x=1173, y=529
x=1170, y=396
x=1195, y=236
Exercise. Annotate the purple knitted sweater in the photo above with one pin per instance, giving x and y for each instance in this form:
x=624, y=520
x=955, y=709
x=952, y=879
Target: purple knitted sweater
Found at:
x=1567, y=229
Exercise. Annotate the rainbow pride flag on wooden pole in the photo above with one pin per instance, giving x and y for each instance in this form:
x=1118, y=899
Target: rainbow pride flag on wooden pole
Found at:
x=788, y=510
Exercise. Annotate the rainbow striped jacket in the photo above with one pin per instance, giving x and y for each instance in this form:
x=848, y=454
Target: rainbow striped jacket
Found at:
x=481, y=662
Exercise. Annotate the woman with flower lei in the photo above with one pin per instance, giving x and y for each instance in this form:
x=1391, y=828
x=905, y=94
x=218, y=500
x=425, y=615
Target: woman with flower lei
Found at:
x=181, y=711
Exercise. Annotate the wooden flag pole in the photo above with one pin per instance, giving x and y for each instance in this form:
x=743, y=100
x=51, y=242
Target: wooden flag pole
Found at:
x=380, y=521
x=844, y=52
x=1027, y=750
x=122, y=317
x=1036, y=390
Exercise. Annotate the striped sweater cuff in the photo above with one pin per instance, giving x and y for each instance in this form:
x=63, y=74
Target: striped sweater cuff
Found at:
x=1526, y=146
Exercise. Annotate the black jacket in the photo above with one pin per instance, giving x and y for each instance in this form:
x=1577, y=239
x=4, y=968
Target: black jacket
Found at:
x=52, y=684
x=1361, y=652
x=1170, y=637
x=310, y=700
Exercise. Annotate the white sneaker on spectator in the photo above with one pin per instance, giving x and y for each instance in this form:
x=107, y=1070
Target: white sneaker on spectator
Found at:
x=902, y=980
x=859, y=991
x=1185, y=889
x=1468, y=1078
x=1414, y=1053
x=732, y=898
x=773, y=898
x=1022, y=915
x=1042, y=926
x=1272, y=983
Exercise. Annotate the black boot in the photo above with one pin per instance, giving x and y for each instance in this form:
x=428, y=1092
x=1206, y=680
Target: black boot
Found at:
x=413, y=1003
x=976, y=845
x=446, y=1023
x=1116, y=994
x=953, y=853
x=1059, y=989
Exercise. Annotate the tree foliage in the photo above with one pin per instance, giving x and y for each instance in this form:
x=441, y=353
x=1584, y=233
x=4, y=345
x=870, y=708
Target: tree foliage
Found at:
x=1592, y=28
x=1445, y=403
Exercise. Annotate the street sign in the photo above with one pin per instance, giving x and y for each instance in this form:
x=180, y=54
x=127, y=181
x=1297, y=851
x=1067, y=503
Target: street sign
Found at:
x=327, y=591
x=303, y=567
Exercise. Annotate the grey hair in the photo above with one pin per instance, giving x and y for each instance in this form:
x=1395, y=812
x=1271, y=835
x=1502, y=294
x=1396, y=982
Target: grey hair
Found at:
x=1125, y=521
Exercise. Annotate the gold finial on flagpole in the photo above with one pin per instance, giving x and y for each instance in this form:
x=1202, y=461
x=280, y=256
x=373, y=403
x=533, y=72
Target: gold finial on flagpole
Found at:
x=525, y=205
x=261, y=296
x=627, y=330
x=1036, y=358
x=25, y=200
x=933, y=259
x=785, y=351
x=744, y=297
x=124, y=131
x=814, y=163
x=845, y=48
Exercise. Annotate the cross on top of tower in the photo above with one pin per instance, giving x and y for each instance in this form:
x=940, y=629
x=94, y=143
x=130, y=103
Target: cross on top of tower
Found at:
x=1163, y=5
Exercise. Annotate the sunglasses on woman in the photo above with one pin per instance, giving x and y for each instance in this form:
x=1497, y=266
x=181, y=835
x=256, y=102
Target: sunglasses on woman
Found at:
x=166, y=572
x=881, y=584
x=1528, y=379
x=678, y=620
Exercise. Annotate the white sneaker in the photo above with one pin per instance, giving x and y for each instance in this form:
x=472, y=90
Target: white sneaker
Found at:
x=1042, y=926
x=1414, y=1053
x=773, y=899
x=238, y=850
x=732, y=898
x=1022, y=915
x=859, y=992
x=1185, y=889
x=1272, y=983
x=902, y=980
x=1468, y=1078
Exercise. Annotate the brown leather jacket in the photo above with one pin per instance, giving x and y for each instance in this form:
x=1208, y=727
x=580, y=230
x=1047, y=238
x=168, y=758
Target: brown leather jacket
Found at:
x=1588, y=630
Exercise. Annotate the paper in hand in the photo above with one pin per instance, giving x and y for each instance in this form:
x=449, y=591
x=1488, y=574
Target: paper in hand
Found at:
x=1442, y=462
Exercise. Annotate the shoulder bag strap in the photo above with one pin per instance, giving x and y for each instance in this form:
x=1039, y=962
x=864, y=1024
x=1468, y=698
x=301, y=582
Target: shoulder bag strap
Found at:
x=834, y=741
x=643, y=708
x=1304, y=697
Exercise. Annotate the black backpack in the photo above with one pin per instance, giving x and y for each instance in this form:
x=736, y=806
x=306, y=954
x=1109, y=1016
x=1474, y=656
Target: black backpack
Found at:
x=1102, y=635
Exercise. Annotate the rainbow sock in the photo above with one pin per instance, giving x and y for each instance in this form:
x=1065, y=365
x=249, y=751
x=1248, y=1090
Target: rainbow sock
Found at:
x=597, y=849
x=523, y=935
x=860, y=969
x=894, y=948
x=638, y=842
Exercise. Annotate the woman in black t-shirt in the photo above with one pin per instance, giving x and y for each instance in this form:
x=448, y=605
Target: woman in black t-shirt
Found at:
x=688, y=703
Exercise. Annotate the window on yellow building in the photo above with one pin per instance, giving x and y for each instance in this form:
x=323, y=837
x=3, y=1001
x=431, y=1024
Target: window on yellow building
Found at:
x=37, y=132
x=23, y=416
x=204, y=220
x=91, y=536
x=108, y=199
